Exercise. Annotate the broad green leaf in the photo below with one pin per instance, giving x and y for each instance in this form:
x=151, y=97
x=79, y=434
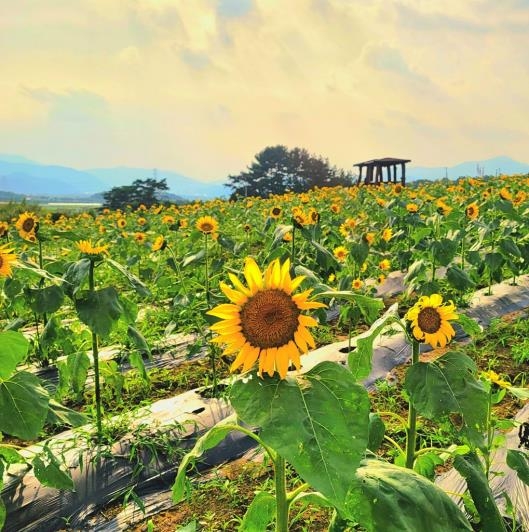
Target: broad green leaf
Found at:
x=190, y=527
x=369, y=306
x=470, y=468
x=62, y=415
x=136, y=361
x=63, y=235
x=50, y=332
x=388, y=498
x=23, y=406
x=99, y=309
x=260, y=513
x=324, y=257
x=209, y=440
x=494, y=261
x=425, y=464
x=508, y=247
x=415, y=270
x=75, y=276
x=459, y=278
x=12, y=287
x=47, y=469
x=469, y=325
x=521, y=393
x=359, y=253
x=359, y=361
x=78, y=364
x=317, y=421
x=309, y=275
x=444, y=251
x=10, y=455
x=13, y=350
x=138, y=285
x=377, y=430
x=519, y=461
x=45, y=300
x=138, y=340
x=448, y=385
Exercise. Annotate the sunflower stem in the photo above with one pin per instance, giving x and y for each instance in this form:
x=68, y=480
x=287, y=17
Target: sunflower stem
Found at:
x=95, y=355
x=411, y=430
x=212, y=349
x=281, y=494
x=293, y=247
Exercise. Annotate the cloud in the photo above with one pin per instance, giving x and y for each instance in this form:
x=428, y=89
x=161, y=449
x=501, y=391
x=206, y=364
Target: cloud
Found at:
x=196, y=60
x=72, y=106
x=234, y=8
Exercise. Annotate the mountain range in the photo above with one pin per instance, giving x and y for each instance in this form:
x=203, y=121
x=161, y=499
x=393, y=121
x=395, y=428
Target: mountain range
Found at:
x=23, y=176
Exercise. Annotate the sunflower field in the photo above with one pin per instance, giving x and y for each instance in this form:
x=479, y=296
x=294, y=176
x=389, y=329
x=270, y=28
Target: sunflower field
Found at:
x=253, y=286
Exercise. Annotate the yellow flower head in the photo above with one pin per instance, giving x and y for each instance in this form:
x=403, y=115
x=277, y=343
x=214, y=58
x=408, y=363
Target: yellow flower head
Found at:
x=140, y=237
x=387, y=234
x=357, y=284
x=384, y=264
x=7, y=259
x=207, y=225
x=472, y=211
x=121, y=223
x=429, y=320
x=494, y=378
x=86, y=247
x=264, y=322
x=159, y=243
x=168, y=219
x=4, y=227
x=27, y=226
x=369, y=238
x=275, y=212
x=505, y=194
x=412, y=207
x=340, y=253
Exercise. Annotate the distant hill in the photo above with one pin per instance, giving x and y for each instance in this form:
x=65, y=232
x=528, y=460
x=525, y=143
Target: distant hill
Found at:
x=496, y=165
x=23, y=176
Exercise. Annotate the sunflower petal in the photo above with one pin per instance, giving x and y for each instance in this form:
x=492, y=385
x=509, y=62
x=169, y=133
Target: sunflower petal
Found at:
x=253, y=275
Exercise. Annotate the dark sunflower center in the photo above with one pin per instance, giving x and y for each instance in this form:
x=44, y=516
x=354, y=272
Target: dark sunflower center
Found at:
x=1, y=261
x=206, y=227
x=429, y=320
x=276, y=211
x=28, y=224
x=269, y=319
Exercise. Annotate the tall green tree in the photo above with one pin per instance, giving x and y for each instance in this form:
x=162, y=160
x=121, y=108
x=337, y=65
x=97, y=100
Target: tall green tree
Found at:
x=277, y=169
x=141, y=192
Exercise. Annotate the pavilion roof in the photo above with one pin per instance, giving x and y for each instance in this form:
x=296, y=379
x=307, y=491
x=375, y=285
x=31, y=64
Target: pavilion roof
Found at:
x=386, y=161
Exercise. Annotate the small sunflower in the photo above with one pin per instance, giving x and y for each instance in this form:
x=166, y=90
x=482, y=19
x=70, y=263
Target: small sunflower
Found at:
x=140, y=237
x=387, y=234
x=357, y=284
x=381, y=278
x=247, y=228
x=86, y=247
x=369, y=238
x=412, y=207
x=7, y=258
x=335, y=208
x=384, y=264
x=472, y=211
x=121, y=223
x=159, y=243
x=168, y=219
x=264, y=322
x=207, y=225
x=275, y=212
x=505, y=194
x=141, y=220
x=429, y=320
x=27, y=225
x=4, y=227
x=340, y=253
x=494, y=378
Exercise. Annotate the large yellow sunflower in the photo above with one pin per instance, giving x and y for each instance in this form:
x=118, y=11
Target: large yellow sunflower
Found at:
x=7, y=258
x=472, y=211
x=429, y=319
x=27, y=225
x=264, y=322
x=207, y=225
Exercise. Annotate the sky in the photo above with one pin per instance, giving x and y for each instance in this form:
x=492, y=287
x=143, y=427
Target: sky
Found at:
x=201, y=86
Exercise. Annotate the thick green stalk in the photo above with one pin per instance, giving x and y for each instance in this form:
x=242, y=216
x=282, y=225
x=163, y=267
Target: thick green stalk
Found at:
x=293, y=247
x=206, y=266
x=411, y=430
x=281, y=494
x=95, y=355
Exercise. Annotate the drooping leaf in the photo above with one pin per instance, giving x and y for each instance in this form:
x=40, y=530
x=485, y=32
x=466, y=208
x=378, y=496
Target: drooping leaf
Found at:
x=393, y=499
x=75, y=276
x=369, y=306
x=459, y=278
x=209, y=440
x=468, y=324
x=23, y=406
x=260, y=513
x=138, y=340
x=359, y=361
x=193, y=258
x=45, y=300
x=444, y=251
x=10, y=455
x=99, y=309
x=471, y=469
x=138, y=285
x=359, y=252
x=448, y=385
x=519, y=461
x=494, y=261
x=47, y=469
x=377, y=430
x=426, y=463
x=78, y=364
x=62, y=415
x=317, y=421
x=508, y=247
x=13, y=350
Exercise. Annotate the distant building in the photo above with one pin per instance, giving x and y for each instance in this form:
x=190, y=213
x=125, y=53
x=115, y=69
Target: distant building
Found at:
x=375, y=171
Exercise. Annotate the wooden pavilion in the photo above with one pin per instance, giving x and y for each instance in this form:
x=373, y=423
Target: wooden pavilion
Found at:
x=375, y=171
